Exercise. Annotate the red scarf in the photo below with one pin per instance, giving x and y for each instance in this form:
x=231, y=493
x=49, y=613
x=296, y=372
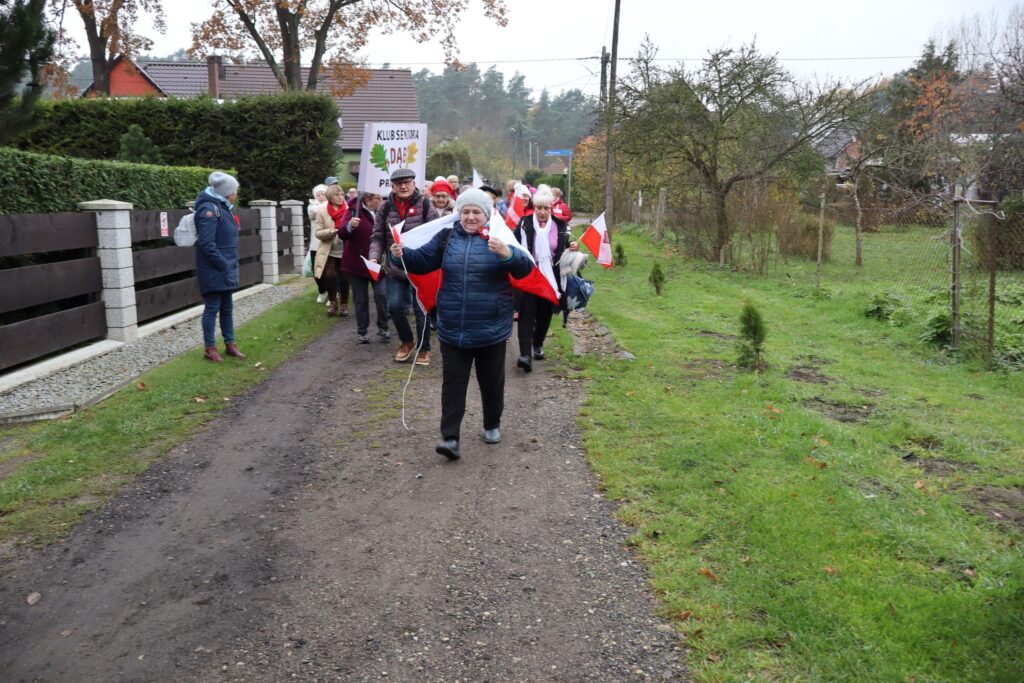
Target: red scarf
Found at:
x=402, y=206
x=336, y=213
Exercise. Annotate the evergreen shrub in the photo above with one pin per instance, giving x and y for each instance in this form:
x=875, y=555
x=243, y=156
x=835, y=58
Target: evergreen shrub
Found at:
x=280, y=145
x=43, y=183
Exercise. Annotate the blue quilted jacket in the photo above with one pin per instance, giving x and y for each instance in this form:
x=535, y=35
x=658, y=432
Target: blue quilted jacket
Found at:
x=476, y=301
x=216, y=245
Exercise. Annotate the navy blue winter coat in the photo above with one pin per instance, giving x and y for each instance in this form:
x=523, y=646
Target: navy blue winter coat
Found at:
x=476, y=301
x=216, y=244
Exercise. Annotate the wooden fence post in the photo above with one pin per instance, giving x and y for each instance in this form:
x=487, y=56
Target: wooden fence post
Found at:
x=114, y=232
x=294, y=207
x=268, y=239
x=660, y=215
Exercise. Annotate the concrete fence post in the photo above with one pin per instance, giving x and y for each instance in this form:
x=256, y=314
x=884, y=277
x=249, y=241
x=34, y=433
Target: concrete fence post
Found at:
x=114, y=230
x=294, y=208
x=268, y=239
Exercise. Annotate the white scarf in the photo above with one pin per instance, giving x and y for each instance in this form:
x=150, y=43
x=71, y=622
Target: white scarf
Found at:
x=542, y=250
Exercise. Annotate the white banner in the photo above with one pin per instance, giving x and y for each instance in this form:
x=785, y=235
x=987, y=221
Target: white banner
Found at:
x=388, y=147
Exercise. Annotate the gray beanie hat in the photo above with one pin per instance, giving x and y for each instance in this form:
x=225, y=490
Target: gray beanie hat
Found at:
x=223, y=184
x=477, y=198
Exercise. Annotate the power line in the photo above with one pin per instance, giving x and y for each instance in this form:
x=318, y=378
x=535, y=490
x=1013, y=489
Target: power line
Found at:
x=681, y=59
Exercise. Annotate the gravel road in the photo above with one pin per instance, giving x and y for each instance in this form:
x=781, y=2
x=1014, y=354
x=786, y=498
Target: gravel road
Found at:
x=306, y=535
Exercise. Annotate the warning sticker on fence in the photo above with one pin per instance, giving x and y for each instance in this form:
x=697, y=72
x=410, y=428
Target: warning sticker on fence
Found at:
x=165, y=230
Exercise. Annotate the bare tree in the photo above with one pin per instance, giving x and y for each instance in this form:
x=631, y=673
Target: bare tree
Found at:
x=737, y=117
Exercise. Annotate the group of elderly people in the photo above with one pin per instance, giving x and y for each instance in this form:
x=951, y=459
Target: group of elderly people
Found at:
x=476, y=303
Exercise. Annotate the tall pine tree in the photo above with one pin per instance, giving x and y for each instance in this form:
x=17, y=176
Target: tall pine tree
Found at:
x=26, y=44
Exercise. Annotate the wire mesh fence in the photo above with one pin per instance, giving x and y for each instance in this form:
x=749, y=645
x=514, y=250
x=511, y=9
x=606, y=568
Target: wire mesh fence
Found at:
x=953, y=271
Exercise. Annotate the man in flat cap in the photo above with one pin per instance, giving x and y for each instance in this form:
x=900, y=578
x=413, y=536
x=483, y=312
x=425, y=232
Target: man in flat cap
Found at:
x=405, y=203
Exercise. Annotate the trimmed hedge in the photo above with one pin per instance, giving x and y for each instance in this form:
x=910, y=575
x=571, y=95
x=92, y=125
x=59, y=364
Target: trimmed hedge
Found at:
x=280, y=145
x=43, y=183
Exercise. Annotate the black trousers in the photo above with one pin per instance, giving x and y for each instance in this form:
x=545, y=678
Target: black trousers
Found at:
x=534, y=320
x=490, y=375
x=360, y=294
x=321, y=286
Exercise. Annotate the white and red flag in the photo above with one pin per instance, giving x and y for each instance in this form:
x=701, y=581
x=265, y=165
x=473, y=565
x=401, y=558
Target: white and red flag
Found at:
x=374, y=268
x=599, y=242
x=515, y=213
x=428, y=284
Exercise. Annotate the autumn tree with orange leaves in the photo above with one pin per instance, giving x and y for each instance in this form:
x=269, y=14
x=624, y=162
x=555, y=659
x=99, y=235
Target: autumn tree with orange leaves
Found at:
x=110, y=29
x=333, y=31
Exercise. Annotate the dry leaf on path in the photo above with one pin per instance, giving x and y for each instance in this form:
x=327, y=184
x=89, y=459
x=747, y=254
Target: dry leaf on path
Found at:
x=141, y=386
x=33, y=597
x=66, y=632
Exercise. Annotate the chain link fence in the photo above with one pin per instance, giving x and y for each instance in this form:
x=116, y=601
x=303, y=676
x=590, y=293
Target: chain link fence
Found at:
x=951, y=271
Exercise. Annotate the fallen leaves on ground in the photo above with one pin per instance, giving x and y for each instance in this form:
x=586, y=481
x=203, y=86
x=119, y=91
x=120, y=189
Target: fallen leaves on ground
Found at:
x=830, y=570
x=33, y=597
x=141, y=386
x=704, y=571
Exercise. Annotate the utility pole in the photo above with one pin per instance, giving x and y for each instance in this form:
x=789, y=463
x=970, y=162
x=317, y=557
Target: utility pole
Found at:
x=609, y=190
x=604, y=77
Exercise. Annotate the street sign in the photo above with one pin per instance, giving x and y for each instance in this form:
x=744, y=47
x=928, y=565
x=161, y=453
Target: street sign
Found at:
x=558, y=152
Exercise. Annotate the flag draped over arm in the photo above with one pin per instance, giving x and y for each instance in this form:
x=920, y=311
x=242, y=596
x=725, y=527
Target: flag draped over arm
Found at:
x=427, y=285
x=599, y=242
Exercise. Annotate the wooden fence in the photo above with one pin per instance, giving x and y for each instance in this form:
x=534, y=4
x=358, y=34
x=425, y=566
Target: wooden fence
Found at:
x=165, y=274
x=53, y=269
x=52, y=302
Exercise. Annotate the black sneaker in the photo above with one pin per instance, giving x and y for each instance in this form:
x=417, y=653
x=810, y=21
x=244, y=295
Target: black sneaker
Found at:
x=362, y=339
x=525, y=363
x=384, y=335
x=492, y=436
x=538, y=353
x=449, y=448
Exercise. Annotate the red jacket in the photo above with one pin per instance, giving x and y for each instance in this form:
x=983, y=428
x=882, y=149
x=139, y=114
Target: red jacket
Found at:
x=561, y=210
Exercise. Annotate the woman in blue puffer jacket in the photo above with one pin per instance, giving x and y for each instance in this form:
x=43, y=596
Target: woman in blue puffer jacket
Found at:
x=474, y=312
x=217, y=228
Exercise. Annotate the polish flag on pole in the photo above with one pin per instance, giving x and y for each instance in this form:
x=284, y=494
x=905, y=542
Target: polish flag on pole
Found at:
x=374, y=268
x=428, y=285
x=514, y=213
x=599, y=242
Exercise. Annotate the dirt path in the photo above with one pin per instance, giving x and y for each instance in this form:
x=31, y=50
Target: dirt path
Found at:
x=308, y=536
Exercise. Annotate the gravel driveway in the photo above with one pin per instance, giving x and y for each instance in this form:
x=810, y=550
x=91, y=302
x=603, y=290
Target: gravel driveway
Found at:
x=306, y=535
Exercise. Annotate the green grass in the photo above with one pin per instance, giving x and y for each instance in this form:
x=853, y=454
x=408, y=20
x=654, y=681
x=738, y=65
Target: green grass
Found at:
x=73, y=465
x=786, y=544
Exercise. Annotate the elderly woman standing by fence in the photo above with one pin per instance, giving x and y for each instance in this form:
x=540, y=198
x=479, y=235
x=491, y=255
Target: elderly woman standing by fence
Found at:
x=217, y=229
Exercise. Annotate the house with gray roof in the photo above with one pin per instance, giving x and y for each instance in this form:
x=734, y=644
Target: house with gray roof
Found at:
x=387, y=94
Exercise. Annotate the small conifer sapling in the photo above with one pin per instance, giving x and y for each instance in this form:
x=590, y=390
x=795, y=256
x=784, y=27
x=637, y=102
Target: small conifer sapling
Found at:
x=620, y=255
x=657, y=278
x=752, y=336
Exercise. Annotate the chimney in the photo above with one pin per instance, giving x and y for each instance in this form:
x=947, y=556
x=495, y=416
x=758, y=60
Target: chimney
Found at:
x=214, y=74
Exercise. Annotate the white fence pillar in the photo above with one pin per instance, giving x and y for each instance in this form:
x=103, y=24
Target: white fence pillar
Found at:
x=114, y=228
x=294, y=208
x=268, y=239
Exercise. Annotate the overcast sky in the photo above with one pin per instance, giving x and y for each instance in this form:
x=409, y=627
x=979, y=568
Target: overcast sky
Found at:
x=852, y=40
